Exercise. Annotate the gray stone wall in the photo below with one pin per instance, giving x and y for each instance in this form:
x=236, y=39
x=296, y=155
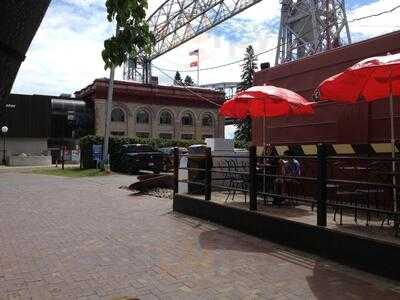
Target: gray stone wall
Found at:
x=29, y=146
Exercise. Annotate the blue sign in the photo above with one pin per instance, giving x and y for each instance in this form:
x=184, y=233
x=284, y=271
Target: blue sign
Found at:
x=97, y=152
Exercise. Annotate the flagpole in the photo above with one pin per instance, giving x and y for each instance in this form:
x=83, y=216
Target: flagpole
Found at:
x=198, y=68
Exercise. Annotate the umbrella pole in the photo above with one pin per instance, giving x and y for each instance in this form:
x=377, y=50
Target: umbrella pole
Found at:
x=392, y=140
x=264, y=181
x=263, y=161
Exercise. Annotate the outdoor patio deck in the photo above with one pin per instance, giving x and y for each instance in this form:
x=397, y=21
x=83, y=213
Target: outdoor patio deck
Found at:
x=349, y=184
x=304, y=214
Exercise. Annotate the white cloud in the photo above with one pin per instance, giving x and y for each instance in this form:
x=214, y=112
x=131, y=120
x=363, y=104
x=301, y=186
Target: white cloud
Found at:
x=65, y=55
x=230, y=131
x=153, y=5
x=226, y=43
x=263, y=11
x=222, y=45
x=374, y=26
x=214, y=51
x=85, y=3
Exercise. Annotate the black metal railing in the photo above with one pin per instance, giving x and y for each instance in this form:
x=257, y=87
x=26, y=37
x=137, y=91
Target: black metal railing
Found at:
x=340, y=183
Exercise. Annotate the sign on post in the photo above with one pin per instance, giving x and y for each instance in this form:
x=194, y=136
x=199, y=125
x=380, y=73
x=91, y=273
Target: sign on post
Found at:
x=70, y=115
x=97, y=154
x=75, y=155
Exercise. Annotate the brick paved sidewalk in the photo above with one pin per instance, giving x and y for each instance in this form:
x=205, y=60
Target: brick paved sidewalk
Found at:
x=64, y=238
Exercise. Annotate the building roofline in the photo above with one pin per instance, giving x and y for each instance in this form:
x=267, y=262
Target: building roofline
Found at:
x=221, y=82
x=121, y=83
x=128, y=91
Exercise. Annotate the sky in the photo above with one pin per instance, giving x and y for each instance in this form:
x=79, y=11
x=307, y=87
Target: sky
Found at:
x=65, y=54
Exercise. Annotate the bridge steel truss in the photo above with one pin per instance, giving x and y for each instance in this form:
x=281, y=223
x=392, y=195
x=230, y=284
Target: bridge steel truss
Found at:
x=309, y=27
x=177, y=21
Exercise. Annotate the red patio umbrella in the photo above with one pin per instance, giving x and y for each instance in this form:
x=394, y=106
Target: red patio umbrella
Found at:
x=372, y=79
x=369, y=80
x=265, y=101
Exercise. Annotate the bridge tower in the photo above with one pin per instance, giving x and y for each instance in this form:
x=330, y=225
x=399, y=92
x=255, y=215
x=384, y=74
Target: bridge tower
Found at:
x=311, y=26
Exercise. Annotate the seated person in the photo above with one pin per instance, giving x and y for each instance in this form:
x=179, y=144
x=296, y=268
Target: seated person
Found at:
x=289, y=166
x=271, y=167
x=267, y=165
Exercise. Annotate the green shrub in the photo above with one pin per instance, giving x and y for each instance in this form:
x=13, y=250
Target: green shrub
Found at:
x=116, y=143
x=85, y=144
x=241, y=144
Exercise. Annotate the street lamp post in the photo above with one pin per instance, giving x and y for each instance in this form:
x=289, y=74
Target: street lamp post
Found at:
x=4, y=130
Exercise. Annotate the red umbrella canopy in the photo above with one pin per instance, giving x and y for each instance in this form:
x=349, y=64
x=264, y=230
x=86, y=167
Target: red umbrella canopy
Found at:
x=237, y=107
x=265, y=101
x=371, y=79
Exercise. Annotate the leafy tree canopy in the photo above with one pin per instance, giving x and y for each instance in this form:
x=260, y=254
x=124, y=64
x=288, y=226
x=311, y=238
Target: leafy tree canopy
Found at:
x=133, y=34
x=178, y=79
x=188, y=81
x=249, y=67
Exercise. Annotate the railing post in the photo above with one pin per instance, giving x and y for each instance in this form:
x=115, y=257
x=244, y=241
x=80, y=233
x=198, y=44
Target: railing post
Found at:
x=321, y=185
x=176, y=170
x=253, y=177
x=208, y=166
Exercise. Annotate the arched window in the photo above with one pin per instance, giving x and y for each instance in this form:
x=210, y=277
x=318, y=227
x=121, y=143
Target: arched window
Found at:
x=117, y=115
x=207, y=121
x=142, y=117
x=187, y=119
x=165, y=118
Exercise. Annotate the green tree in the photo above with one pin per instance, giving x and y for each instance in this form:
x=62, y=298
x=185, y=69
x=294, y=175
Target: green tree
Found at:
x=178, y=78
x=132, y=38
x=249, y=67
x=133, y=35
x=188, y=81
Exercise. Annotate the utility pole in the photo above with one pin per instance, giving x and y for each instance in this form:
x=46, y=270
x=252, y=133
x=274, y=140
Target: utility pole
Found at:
x=131, y=33
x=106, y=162
x=107, y=119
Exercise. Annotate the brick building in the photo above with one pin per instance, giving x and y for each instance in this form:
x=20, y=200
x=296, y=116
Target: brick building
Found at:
x=155, y=111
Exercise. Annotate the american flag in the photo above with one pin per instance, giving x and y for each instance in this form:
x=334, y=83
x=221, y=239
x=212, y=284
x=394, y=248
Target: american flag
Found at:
x=194, y=52
x=194, y=64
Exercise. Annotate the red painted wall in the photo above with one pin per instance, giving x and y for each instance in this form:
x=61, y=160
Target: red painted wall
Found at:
x=361, y=123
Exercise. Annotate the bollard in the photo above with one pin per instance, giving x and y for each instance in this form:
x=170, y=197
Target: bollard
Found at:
x=253, y=177
x=207, y=177
x=321, y=192
x=176, y=170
